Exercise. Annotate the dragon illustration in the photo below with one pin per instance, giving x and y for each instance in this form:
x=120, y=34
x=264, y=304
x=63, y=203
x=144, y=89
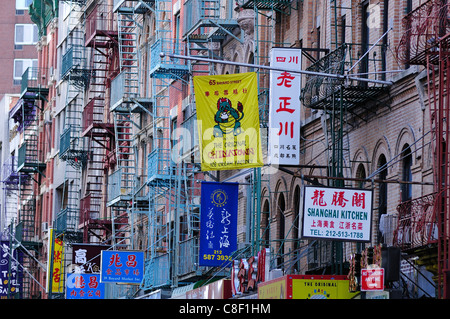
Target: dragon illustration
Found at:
x=228, y=118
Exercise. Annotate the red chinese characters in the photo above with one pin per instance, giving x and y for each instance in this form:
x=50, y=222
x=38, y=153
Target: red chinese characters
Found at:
x=338, y=199
x=285, y=106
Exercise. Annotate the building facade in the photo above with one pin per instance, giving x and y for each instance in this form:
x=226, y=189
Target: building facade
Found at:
x=18, y=39
x=109, y=152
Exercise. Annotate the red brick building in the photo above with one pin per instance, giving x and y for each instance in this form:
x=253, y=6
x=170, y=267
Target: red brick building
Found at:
x=18, y=37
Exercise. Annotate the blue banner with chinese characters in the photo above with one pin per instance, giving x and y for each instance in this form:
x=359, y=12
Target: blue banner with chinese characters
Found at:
x=85, y=286
x=10, y=271
x=218, y=223
x=122, y=266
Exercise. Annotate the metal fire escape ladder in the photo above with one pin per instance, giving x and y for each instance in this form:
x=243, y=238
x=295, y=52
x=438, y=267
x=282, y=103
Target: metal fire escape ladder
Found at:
x=266, y=14
x=76, y=76
x=30, y=166
x=102, y=38
x=426, y=42
x=123, y=192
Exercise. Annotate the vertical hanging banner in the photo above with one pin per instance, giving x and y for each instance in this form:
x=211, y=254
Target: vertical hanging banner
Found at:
x=85, y=286
x=122, y=266
x=55, y=265
x=10, y=272
x=228, y=121
x=284, y=115
x=218, y=223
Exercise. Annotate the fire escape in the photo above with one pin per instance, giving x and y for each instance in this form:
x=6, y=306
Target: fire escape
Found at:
x=268, y=17
x=164, y=177
x=126, y=190
x=343, y=100
x=28, y=169
x=423, y=226
x=101, y=37
x=75, y=76
x=206, y=24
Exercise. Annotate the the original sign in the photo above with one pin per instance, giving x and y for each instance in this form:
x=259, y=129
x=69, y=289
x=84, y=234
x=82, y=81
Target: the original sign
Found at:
x=337, y=213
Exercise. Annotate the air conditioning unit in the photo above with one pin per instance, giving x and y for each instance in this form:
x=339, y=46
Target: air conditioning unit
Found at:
x=44, y=227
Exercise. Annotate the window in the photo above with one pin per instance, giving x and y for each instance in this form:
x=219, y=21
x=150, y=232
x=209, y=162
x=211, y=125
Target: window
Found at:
x=265, y=225
x=382, y=194
x=281, y=206
x=365, y=39
x=20, y=66
x=26, y=34
x=23, y=4
x=406, y=174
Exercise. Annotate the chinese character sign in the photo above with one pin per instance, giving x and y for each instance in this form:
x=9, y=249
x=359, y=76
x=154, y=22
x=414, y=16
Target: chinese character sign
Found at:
x=337, y=213
x=55, y=264
x=284, y=116
x=228, y=121
x=86, y=257
x=85, y=286
x=122, y=266
x=218, y=223
x=10, y=271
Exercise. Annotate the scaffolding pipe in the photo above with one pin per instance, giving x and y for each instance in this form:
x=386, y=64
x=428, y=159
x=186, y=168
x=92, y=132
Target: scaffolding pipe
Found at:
x=248, y=65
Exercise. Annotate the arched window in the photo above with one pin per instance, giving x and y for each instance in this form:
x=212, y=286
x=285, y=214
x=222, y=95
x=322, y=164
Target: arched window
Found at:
x=360, y=174
x=406, y=188
x=281, y=207
x=382, y=193
x=265, y=226
x=295, y=234
x=251, y=60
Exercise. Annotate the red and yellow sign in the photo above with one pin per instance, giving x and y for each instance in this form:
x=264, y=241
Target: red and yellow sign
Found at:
x=228, y=121
x=55, y=264
x=306, y=287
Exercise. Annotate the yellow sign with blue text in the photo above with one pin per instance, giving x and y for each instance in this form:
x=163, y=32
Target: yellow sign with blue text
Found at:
x=228, y=121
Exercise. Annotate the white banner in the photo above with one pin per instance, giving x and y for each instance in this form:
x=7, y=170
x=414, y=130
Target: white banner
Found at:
x=337, y=213
x=284, y=115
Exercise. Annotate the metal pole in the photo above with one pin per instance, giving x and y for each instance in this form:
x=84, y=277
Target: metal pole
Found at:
x=370, y=49
x=336, y=76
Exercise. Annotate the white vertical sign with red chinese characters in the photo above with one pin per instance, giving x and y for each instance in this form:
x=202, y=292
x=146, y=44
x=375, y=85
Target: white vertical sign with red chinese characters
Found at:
x=284, y=115
x=337, y=213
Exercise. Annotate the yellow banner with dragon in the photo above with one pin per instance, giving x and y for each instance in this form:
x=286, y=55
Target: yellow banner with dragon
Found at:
x=228, y=121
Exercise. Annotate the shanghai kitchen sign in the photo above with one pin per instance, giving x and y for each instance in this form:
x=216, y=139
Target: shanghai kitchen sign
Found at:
x=337, y=213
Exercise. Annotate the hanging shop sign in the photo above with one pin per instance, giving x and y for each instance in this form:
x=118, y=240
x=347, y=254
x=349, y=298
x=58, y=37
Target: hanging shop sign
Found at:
x=284, y=116
x=228, y=121
x=122, y=266
x=55, y=266
x=220, y=289
x=10, y=272
x=86, y=258
x=85, y=286
x=218, y=223
x=337, y=214
x=247, y=273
